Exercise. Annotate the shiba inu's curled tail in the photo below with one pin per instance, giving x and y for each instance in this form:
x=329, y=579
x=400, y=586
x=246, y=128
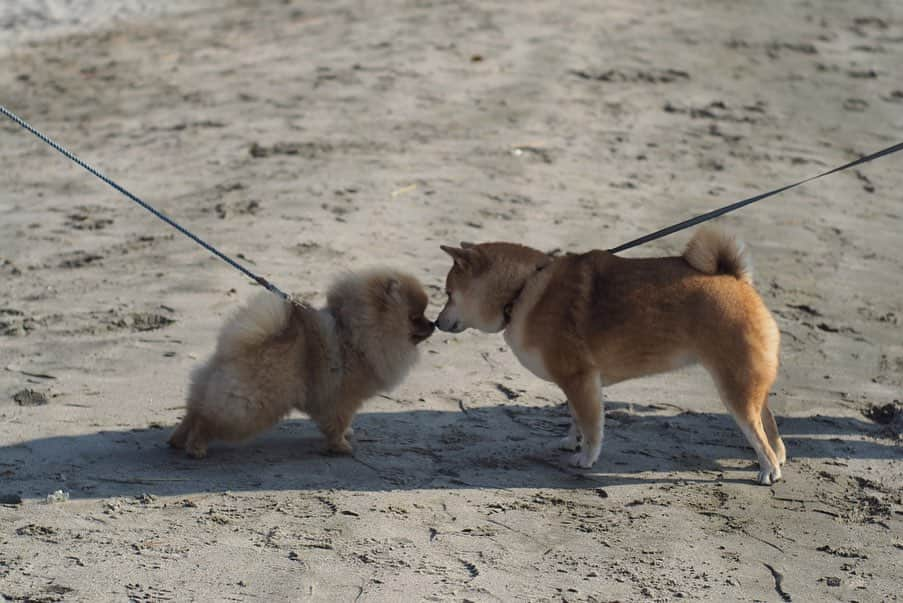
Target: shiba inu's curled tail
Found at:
x=264, y=316
x=713, y=251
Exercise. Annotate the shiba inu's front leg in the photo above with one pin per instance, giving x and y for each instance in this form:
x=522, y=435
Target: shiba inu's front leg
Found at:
x=571, y=441
x=584, y=392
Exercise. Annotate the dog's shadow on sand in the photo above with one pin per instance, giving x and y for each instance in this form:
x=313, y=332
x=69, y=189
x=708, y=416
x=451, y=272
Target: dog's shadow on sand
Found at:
x=505, y=446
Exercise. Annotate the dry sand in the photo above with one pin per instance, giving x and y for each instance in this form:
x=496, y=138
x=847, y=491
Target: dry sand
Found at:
x=315, y=137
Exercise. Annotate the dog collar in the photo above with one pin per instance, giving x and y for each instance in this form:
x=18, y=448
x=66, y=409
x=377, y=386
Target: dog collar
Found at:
x=509, y=307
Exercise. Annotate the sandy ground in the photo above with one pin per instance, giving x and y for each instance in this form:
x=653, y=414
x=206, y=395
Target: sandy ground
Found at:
x=308, y=138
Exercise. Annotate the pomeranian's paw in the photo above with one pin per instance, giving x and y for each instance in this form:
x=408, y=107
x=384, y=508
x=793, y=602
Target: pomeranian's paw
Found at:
x=340, y=446
x=197, y=453
x=180, y=435
x=196, y=450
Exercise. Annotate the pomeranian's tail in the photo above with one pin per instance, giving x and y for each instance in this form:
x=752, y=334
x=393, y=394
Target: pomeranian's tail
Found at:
x=264, y=316
x=713, y=251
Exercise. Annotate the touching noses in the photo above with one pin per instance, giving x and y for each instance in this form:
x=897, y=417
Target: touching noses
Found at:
x=448, y=319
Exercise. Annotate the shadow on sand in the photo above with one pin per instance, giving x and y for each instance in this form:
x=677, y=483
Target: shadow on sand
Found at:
x=506, y=446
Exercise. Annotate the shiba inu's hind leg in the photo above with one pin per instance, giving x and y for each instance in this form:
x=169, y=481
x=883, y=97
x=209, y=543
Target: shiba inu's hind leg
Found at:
x=744, y=391
x=584, y=393
x=771, y=430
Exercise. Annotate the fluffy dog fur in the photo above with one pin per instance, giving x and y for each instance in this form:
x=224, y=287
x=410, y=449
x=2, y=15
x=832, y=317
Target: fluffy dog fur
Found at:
x=593, y=319
x=274, y=356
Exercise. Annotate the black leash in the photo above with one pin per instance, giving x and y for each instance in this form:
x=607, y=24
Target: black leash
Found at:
x=658, y=234
x=258, y=279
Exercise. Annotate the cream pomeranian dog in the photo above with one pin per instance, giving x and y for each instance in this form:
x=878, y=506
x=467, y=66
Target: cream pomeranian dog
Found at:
x=592, y=319
x=274, y=356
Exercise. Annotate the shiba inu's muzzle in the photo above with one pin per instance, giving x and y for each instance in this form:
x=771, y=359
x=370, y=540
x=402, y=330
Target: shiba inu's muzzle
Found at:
x=449, y=320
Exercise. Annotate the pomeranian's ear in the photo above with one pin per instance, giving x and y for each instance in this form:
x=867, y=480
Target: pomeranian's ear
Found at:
x=393, y=289
x=463, y=257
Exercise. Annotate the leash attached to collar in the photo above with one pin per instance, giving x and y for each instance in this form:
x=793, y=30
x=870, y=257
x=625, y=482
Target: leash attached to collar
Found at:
x=509, y=307
x=258, y=279
x=658, y=234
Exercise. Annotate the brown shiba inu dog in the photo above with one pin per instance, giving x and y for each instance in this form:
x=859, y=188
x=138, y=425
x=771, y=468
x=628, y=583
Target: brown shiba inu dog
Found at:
x=587, y=320
x=274, y=356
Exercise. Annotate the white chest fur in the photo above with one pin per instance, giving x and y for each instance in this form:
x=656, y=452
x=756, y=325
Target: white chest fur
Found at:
x=530, y=357
x=532, y=361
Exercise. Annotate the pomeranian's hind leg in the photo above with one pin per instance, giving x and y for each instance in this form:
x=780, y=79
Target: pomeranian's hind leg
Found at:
x=187, y=432
x=180, y=436
x=197, y=439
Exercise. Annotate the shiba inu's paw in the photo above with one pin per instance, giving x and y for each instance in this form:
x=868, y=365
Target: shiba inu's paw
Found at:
x=572, y=440
x=583, y=459
x=769, y=476
x=781, y=452
x=570, y=443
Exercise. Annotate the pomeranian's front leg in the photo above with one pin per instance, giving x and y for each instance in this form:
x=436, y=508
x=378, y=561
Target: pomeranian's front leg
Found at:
x=336, y=428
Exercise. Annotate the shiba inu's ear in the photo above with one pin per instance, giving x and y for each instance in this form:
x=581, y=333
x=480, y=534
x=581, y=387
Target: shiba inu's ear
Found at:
x=462, y=257
x=545, y=261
